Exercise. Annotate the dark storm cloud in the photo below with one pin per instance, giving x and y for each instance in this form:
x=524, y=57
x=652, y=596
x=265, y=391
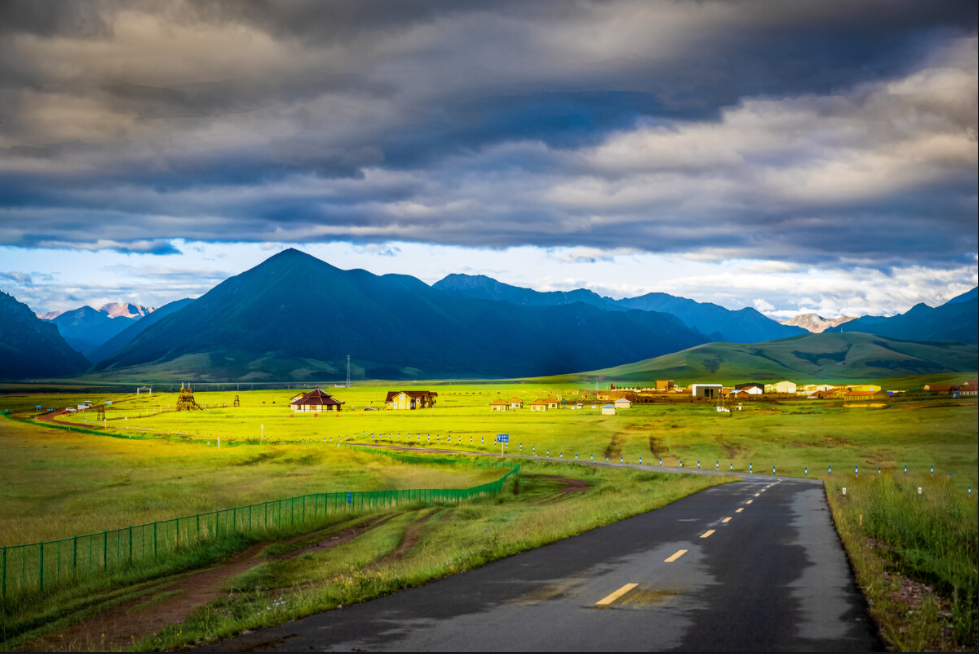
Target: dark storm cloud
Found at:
x=827, y=132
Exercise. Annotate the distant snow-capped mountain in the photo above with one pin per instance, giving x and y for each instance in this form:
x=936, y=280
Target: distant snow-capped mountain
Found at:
x=126, y=310
x=815, y=323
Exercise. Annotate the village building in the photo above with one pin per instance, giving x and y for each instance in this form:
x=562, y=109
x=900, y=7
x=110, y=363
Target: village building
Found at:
x=751, y=389
x=539, y=405
x=622, y=403
x=552, y=403
x=410, y=400
x=665, y=384
x=710, y=391
x=968, y=389
x=782, y=388
x=864, y=388
x=515, y=403
x=608, y=410
x=499, y=405
x=315, y=401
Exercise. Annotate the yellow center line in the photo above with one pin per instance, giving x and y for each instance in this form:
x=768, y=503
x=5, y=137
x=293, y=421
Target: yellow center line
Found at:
x=757, y=494
x=617, y=594
x=675, y=556
x=749, y=501
x=739, y=510
x=707, y=535
x=725, y=521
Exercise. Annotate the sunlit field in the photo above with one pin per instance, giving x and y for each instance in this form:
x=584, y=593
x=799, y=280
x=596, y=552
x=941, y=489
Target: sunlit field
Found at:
x=147, y=462
x=797, y=437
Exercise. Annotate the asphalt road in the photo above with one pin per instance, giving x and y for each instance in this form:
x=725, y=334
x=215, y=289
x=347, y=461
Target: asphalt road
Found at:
x=753, y=565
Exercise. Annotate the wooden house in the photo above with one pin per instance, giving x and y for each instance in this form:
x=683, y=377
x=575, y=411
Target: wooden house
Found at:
x=499, y=405
x=315, y=401
x=515, y=403
x=552, y=403
x=539, y=405
x=410, y=400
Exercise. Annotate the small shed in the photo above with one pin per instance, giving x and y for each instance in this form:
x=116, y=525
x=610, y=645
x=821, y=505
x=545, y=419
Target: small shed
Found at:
x=515, y=403
x=499, y=405
x=539, y=405
x=608, y=410
x=623, y=403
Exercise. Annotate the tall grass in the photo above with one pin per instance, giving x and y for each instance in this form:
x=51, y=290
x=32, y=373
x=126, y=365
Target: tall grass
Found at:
x=931, y=537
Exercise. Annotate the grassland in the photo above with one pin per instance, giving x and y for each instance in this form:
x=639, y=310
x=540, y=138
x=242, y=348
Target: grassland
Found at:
x=793, y=435
x=167, y=477
x=161, y=464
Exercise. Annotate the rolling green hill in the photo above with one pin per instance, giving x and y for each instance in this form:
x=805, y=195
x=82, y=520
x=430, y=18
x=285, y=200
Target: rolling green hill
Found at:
x=811, y=357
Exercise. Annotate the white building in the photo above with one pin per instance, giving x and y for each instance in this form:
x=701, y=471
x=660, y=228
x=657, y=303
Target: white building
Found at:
x=782, y=388
x=608, y=410
x=623, y=403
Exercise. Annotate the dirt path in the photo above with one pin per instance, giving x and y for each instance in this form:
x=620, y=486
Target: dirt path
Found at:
x=117, y=626
x=412, y=535
x=568, y=486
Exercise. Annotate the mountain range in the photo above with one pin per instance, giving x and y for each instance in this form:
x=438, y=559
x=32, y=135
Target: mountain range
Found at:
x=815, y=323
x=31, y=347
x=296, y=317
x=815, y=357
x=716, y=322
x=85, y=328
x=956, y=320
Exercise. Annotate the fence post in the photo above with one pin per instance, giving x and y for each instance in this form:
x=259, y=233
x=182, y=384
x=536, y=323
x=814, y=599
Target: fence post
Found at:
x=198, y=516
x=3, y=575
x=154, y=539
x=74, y=555
x=105, y=550
x=130, y=543
x=40, y=568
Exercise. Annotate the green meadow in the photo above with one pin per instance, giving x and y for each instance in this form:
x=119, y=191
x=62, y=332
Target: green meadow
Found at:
x=796, y=436
x=148, y=462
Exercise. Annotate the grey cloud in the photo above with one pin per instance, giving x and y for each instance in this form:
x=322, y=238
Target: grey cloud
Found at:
x=723, y=129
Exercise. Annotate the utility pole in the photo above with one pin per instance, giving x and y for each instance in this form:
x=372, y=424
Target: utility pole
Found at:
x=348, y=371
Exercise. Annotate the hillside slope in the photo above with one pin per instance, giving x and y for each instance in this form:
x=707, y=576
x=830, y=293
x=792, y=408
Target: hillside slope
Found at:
x=295, y=317
x=31, y=348
x=830, y=356
x=136, y=328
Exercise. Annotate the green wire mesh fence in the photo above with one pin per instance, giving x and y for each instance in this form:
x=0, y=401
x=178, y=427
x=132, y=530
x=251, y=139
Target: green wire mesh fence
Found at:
x=35, y=568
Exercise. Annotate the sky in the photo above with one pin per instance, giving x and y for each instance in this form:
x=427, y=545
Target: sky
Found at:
x=805, y=156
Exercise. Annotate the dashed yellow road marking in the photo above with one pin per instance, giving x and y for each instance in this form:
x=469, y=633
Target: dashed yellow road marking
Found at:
x=708, y=534
x=616, y=595
x=739, y=510
x=675, y=556
x=749, y=501
x=757, y=494
x=725, y=521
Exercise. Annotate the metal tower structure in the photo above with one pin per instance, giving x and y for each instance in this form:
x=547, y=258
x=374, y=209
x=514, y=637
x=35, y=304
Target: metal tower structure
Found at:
x=348, y=371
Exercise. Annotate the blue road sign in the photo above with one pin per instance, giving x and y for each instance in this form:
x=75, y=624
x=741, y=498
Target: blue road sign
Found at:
x=503, y=438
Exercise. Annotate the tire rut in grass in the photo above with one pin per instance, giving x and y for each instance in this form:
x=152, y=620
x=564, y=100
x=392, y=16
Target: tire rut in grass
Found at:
x=118, y=626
